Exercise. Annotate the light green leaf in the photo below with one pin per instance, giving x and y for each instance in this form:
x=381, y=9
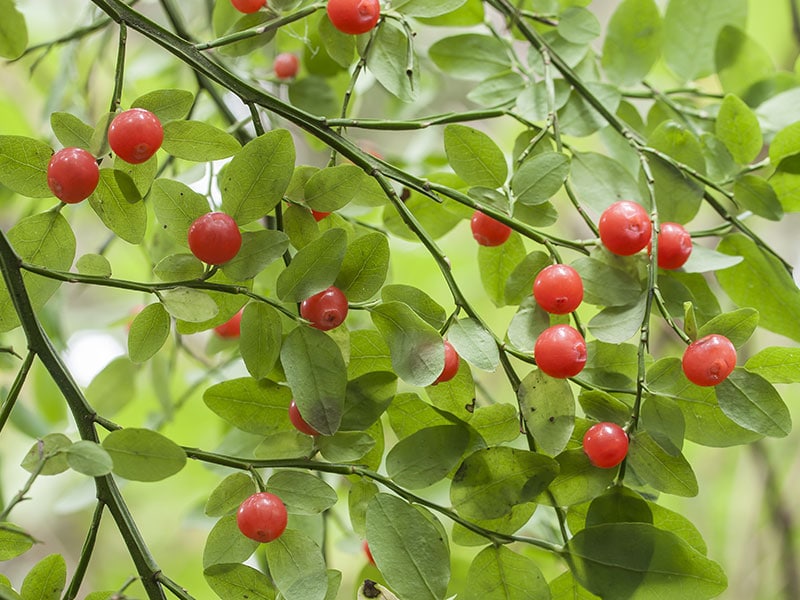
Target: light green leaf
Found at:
x=257, y=176
x=51, y=449
x=179, y=267
x=229, y=494
x=785, y=144
x=756, y=194
x=234, y=581
x=617, y=324
x=599, y=181
x=23, y=162
x=737, y=126
x=497, y=263
x=259, y=250
x=113, y=387
x=143, y=454
x=604, y=284
x=255, y=406
x=498, y=89
x=369, y=395
x=260, y=338
x=393, y=61
x=225, y=543
x=548, y=407
x=93, y=264
x=425, y=8
x=313, y=268
x=167, y=105
x=188, y=304
x=14, y=541
x=118, y=204
x=540, y=177
x=737, y=325
x=420, y=302
x=364, y=268
x=776, y=364
x=499, y=573
x=297, y=567
x=408, y=548
x=332, y=188
x=89, y=459
x=740, y=60
x=13, y=31
x=317, y=376
x=470, y=56
x=302, y=493
x=71, y=131
x=752, y=402
x=149, y=330
x=176, y=206
x=198, y=141
x=46, y=580
x=426, y=456
x=474, y=156
x=577, y=25
x=633, y=41
x=666, y=473
x=474, y=343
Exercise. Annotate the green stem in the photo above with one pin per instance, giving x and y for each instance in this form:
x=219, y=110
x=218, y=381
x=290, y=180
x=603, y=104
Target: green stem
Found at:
x=86, y=553
x=119, y=71
x=16, y=388
x=20, y=495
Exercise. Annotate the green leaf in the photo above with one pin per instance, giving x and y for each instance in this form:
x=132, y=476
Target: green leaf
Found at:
x=627, y=560
x=497, y=263
x=424, y=8
x=229, y=494
x=706, y=423
x=678, y=197
x=737, y=126
x=579, y=118
x=297, y=567
x=426, y=456
x=285, y=444
x=167, y=105
x=474, y=156
x=611, y=365
x=260, y=339
x=416, y=348
x=255, y=406
x=313, y=268
x=602, y=406
x=776, y=364
x=691, y=28
x=340, y=46
x=393, y=61
x=257, y=176
x=225, y=543
x=617, y=324
x=113, y=387
x=46, y=580
x=540, y=177
x=703, y=260
x=143, y=455
x=604, y=284
x=490, y=482
x=578, y=25
x=508, y=524
x=233, y=581
x=599, y=181
x=46, y=240
x=737, y=325
x=408, y=548
x=498, y=89
x=368, y=396
x=756, y=194
x=496, y=423
x=785, y=144
x=176, y=206
x=720, y=165
x=71, y=131
x=752, y=402
x=740, y=60
x=332, y=188
x=745, y=283
x=93, y=264
x=149, y=330
x=548, y=407
x=23, y=163
x=346, y=446
x=317, y=375
x=666, y=473
x=13, y=31
x=420, y=302
x=520, y=283
x=52, y=449
x=786, y=183
x=470, y=56
x=474, y=344
x=314, y=95
x=198, y=141
x=499, y=573
x=364, y=268
x=664, y=421
x=14, y=541
x=259, y=250
x=302, y=493
x=578, y=480
x=188, y=304
x=633, y=41
x=89, y=459
x=121, y=212
x=564, y=587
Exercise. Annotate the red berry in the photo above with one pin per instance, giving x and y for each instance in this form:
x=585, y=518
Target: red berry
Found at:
x=326, y=310
x=560, y=351
x=674, y=246
x=354, y=16
x=318, y=216
x=451, y=361
x=72, y=175
x=625, y=228
x=214, y=238
x=558, y=289
x=487, y=231
x=135, y=135
x=262, y=517
x=709, y=360
x=286, y=65
x=299, y=422
x=248, y=6
x=368, y=552
x=230, y=328
x=606, y=445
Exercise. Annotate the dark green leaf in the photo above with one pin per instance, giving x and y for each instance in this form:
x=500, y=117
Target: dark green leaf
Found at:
x=229, y=494
x=259, y=407
x=665, y=472
x=426, y=456
x=167, y=105
x=126, y=216
x=313, y=268
x=752, y=402
x=233, y=581
x=364, y=268
x=540, y=177
x=23, y=161
x=633, y=41
x=225, y=543
x=302, y=493
x=297, y=567
x=143, y=454
x=499, y=573
x=737, y=126
x=470, y=56
x=259, y=249
x=548, y=407
x=368, y=396
x=260, y=339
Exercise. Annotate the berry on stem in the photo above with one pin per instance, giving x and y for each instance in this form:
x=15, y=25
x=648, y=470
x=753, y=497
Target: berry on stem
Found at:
x=248, y=6
x=72, y=175
x=606, y=445
x=230, y=328
x=286, y=65
x=368, y=552
x=488, y=231
x=624, y=228
x=318, y=215
x=451, y=361
x=560, y=351
x=326, y=310
x=354, y=16
x=709, y=360
x=299, y=422
x=135, y=135
x=674, y=246
x=214, y=238
x=262, y=517
x=558, y=289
